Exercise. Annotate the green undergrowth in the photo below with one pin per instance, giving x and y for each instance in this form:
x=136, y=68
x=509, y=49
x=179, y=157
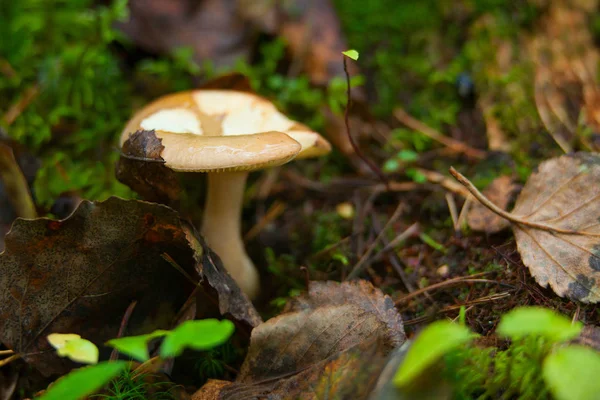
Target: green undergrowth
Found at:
x=535, y=358
x=135, y=386
x=69, y=55
x=432, y=58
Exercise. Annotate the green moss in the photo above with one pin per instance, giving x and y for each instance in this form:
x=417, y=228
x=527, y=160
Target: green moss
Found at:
x=132, y=386
x=62, y=48
x=488, y=373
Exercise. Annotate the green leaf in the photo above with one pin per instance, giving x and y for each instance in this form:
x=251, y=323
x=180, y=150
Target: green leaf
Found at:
x=199, y=335
x=540, y=321
x=434, y=342
x=136, y=346
x=572, y=373
x=83, y=381
x=353, y=54
x=74, y=347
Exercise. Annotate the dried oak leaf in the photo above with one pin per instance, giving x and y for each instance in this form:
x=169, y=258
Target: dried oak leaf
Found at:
x=321, y=342
x=142, y=169
x=500, y=192
x=80, y=274
x=556, y=222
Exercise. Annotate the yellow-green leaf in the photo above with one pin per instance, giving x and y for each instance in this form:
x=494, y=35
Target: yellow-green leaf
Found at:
x=353, y=54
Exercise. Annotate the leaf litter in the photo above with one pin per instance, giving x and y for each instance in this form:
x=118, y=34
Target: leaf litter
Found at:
x=556, y=222
x=334, y=340
x=54, y=275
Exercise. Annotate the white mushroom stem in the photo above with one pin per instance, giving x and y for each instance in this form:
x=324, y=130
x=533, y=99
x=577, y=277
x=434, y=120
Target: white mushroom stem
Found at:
x=222, y=230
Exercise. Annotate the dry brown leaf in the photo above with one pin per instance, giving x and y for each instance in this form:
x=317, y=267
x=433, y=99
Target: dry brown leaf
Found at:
x=142, y=169
x=331, y=318
x=500, y=192
x=80, y=274
x=333, y=340
x=564, y=196
x=350, y=374
x=211, y=390
x=566, y=61
x=556, y=221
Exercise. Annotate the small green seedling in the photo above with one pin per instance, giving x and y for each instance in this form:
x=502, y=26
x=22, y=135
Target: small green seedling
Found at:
x=537, y=321
x=198, y=335
x=432, y=344
x=353, y=54
x=84, y=381
x=572, y=373
x=74, y=347
x=539, y=362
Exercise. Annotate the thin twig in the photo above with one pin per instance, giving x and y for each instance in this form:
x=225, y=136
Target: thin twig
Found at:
x=10, y=359
x=449, y=282
x=506, y=215
x=431, y=133
x=124, y=321
x=410, y=231
x=358, y=267
x=16, y=109
x=355, y=147
x=274, y=211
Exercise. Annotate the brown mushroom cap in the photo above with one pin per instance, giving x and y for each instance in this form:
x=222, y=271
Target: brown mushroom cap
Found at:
x=223, y=130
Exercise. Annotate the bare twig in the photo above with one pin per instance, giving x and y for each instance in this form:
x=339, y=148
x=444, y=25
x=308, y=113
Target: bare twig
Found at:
x=275, y=211
x=431, y=133
x=17, y=108
x=358, y=267
x=124, y=321
x=449, y=282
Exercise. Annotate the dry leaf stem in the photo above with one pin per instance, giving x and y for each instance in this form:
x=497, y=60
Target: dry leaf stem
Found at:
x=510, y=217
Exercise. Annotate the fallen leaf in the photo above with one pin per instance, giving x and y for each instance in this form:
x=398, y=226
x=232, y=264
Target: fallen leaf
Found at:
x=211, y=390
x=333, y=340
x=142, y=169
x=349, y=374
x=500, y=192
x=566, y=62
x=556, y=222
x=220, y=295
x=80, y=274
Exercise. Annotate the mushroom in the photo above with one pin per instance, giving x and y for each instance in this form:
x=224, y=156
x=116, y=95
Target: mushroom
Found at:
x=225, y=134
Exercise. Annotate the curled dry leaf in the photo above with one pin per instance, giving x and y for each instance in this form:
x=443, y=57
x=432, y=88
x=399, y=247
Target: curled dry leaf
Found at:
x=500, y=192
x=334, y=339
x=80, y=275
x=142, y=169
x=556, y=221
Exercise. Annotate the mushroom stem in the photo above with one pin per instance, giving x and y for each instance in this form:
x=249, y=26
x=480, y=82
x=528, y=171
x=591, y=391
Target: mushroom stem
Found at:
x=221, y=227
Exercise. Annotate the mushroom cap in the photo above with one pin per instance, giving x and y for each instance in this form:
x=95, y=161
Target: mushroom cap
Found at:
x=224, y=130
